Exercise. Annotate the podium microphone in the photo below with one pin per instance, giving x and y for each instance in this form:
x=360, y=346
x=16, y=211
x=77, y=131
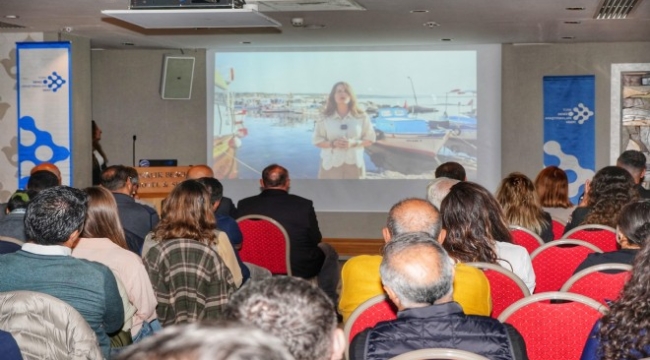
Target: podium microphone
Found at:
x=134, y=138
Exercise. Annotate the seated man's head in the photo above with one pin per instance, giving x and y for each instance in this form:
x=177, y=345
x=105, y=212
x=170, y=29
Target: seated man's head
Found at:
x=221, y=341
x=56, y=216
x=41, y=180
x=452, y=170
x=438, y=189
x=295, y=311
x=199, y=171
x=214, y=188
x=18, y=200
x=634, y=162
x=47, y=167
x=416, y=271
x=411, y=215
x=275, y=176
x=118, y=179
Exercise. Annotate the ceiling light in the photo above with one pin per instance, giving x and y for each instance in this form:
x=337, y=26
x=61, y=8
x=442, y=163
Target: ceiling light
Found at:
x=11, y=16
x=431, y=24
x=419, y=11
x=575, y=8
x=128, y=44
x=573, y=22
x=446, y=40
x=246, y=42
x=568, y=37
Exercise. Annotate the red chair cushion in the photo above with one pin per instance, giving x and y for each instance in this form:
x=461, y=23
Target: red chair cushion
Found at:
x=504, y=291
x=555, y=265
x=264, y=245
x=524, y=239
x=383, y=311
x=605, y=240
x=601, y=286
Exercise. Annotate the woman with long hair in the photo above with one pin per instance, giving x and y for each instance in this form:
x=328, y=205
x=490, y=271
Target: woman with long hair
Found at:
x=341, y=133
x=103, y=241
x=520, y=205
x=100, y=161
x=474, y=229
x=623, y=333
x=191, y=264
x=552, y=186
x=611, y=189
x=632, y=232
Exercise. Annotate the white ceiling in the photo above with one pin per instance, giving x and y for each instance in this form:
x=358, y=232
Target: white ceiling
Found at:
x=384, y=23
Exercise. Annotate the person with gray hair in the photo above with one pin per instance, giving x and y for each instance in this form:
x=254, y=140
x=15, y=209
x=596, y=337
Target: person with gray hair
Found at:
x=360, y=275
x=294, y=310
x=218, y=341
x=438, y=188
x=417, y=275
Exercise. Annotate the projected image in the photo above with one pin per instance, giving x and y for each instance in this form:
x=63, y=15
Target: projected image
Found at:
x=344, y=115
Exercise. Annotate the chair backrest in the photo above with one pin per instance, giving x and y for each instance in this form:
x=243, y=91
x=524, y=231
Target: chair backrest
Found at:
x=47, y=328
x=506, y=287
x=558, y=228
x=440, y=353
x=555, y=262
x=553, y=330
x=367, y=315
x=600, y=286
x=600, y=235
x=526, y=238
x=266, y=243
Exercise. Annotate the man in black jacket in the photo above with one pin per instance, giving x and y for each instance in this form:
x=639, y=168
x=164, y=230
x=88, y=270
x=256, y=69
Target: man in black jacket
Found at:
x=309, y=256
x=417, y=275
x=635, y=162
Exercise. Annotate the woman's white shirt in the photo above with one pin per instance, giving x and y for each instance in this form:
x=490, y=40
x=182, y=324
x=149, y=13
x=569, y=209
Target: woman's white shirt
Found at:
x=516, y=259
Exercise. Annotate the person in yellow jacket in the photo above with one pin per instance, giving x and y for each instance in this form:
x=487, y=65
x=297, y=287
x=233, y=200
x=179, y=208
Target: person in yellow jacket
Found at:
x=360, y=278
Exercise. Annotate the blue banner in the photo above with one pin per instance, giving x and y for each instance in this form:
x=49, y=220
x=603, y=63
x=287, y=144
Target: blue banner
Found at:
x=569, y=128
x=44, y=108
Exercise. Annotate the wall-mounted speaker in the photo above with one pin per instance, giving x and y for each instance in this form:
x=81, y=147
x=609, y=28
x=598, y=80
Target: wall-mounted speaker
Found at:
x=177, y=76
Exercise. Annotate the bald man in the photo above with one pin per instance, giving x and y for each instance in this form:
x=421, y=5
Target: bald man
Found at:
x=360, y=275
x=309, y=256
x=47, y=167
x=226, y=206
x=417, y=275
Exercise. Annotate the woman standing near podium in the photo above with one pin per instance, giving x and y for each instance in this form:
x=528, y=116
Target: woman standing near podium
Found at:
x=342, y=133
x=100, y=160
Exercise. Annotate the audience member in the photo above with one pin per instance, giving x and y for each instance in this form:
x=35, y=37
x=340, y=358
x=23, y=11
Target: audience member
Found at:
x=219, y=341
x=103, y=241
x=439, y=188
x=191, y=279
x=452, y=170
x=41, y=180
x=611, y=189
x=100, y=161
x=632, y=232
x=226, y=206
x=137, y=220
x=53, y=223
x=474, y=229
x=552, y=186
x=309, y=256
x=634, y=162
x=12, y=225
x=295, y=311
x=360, y=275
x=47, y=167
x=417, y=275
x=521, y=207
x=622, y=333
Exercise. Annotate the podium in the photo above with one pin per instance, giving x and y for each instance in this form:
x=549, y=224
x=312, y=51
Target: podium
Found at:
x=155, y=183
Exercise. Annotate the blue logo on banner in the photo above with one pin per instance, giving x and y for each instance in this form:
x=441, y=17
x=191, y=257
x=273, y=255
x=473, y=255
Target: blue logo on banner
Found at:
x=43, y=139
x=54, y=81
x=569, y=128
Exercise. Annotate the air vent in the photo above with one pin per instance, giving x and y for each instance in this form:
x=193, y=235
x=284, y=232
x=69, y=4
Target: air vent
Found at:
x=615, y=9
x=4, y=25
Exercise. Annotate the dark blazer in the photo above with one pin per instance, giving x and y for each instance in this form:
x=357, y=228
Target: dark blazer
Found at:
x=643, y=192
x=226, y=208
x=298, y=217
x=136, y=218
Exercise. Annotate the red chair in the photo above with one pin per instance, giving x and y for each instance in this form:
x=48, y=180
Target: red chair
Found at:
x=553, y=330
x=558, y=229
x=367, y=315
x=266, y=243
x=600, y=286
x=526, y=238
x=505, y=287
x=600, y=235
x=555, y=262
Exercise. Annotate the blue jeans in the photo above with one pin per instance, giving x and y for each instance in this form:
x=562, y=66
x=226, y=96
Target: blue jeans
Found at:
x=148, y=329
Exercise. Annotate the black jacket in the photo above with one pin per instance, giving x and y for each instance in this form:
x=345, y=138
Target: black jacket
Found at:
x=298, y=217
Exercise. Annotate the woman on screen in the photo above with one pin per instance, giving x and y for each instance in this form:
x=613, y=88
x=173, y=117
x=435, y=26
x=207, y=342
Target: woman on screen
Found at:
x=342, y=133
